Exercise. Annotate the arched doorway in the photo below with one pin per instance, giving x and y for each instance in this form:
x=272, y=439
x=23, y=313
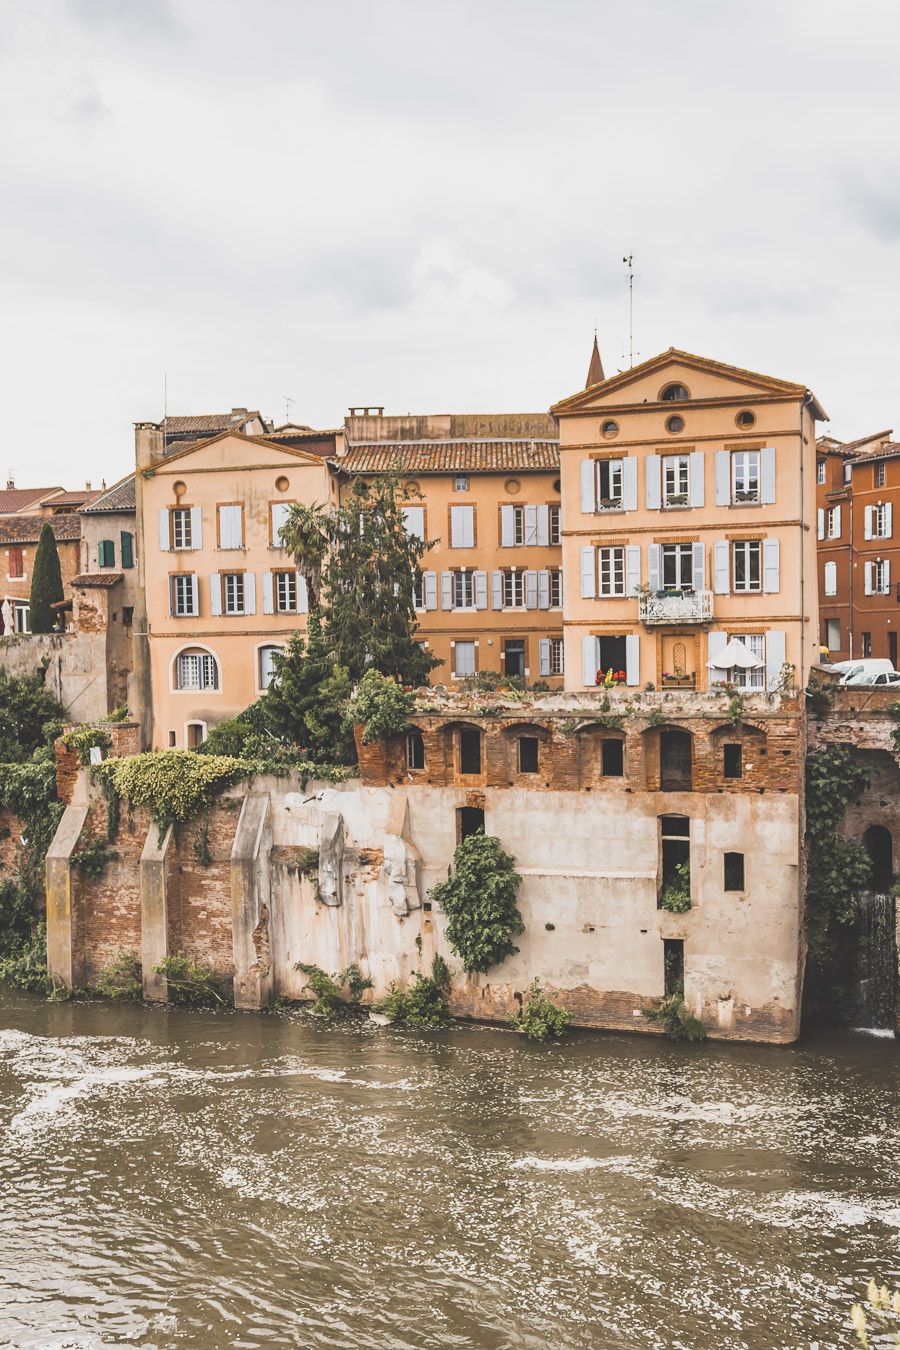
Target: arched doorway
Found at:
x=675, y=761
x=879, y=845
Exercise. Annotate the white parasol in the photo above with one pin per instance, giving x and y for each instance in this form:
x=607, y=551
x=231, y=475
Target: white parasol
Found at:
x=734, y=653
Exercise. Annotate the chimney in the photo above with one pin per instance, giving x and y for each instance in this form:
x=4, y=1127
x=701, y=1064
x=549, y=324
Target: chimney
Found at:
x=87, y=486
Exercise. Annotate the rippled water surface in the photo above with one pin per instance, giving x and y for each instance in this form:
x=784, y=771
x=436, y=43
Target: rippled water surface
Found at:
x=174, y=1179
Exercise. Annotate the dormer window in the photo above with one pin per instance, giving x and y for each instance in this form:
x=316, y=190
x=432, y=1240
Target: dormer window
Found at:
x=674, y=393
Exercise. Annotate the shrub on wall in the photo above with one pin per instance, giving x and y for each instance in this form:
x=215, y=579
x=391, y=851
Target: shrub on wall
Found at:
x=173, y=784
x=381, y=705
x=479, y=900
x=540, y=1019
x=84, y=739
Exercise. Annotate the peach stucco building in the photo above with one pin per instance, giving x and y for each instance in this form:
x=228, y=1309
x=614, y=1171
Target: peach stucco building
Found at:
x=688, y=491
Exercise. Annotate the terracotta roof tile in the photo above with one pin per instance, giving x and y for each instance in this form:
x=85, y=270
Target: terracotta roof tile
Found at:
x=207, y=423
x=17, y=499
x=100, y=579
x=120, y=497
x=472, y=456
x=27, y=529
x=887, y=450
x=83, y=498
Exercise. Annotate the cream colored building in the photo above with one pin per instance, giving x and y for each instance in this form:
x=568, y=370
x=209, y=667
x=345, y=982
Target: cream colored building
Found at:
x=688, y=490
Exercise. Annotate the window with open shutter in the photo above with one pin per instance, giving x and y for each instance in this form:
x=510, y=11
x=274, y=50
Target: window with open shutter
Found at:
x=106, y=553
x=126, y=543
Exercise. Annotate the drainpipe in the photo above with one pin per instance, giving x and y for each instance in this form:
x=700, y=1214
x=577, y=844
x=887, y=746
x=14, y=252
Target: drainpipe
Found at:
x=803, y=680
x=850, y=564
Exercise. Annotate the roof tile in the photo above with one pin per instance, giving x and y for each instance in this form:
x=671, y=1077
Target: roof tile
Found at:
x=472, y=456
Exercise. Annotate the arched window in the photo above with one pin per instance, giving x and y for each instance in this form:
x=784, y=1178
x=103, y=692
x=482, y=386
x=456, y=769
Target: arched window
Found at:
x=196, y=669
x=674, y=393
x=266, y=664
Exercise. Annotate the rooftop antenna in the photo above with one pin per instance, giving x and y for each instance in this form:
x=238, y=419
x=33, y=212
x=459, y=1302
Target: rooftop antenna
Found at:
x=628, y=261
x=287, y=406
x=165, y=410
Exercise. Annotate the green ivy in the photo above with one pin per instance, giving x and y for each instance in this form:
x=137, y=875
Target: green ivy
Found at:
x=84, y=739
x=327, y=990
x=423, y=1004
x=479, y=900
x=190, y=983
x=381, y=705
x=120, y=978
x=92, y=860
x=540, y=1019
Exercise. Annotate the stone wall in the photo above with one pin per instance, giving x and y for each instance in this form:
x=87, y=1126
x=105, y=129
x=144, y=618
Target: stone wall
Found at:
x=73, y=667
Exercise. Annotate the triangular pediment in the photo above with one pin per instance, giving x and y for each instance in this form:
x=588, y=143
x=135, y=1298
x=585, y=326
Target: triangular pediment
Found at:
x=705, y=379
x=232, y=450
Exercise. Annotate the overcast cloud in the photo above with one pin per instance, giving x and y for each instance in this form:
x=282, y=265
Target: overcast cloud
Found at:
x=425, y=204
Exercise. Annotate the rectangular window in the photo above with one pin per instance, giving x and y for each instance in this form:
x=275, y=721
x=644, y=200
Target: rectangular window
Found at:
x=612, y=758
x=469, y=750
x=746, y=564
x=126, y=540
x=833, y=634
x=832, y=522
x=462, y=526
x=128, y=615
x=745, y=483
x=866, y=644
x=22, y=616
x=678, y=567
x=612, y=571
x=461, y=483
x=609, y=484
x=848, y=472
x=419, y=591
x=879, y=578
x=232, y=592
x=820, y=471
x=528, y=754
x=751, y=679
x=676, y=480
x=879, y=475
x=556, y=656
x=734, y=871
x=463, y=589
x=514, y=657
x=879, y=521
x=464, y=659
x=266, y=671
x=285, y=592
x=231, y=527
x=732, y=757
x=829, y=577
x=278, y=516
x=16, y=564
x=415, y=750
x=519, y=525
x=673, y=967
x=513, y=589
x=554, y=524
x=183, y=589
x=180, y=524
x=555, y=587
x=106, y=553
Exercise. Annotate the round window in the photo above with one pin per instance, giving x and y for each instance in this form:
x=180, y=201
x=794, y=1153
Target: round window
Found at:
x=512, y=486
x=609, y=429
x=179, y=488
x=745, y=418
x=413, y=489
x=556, y=485
x=674, y=393
x=282, y=483
x=675, y=424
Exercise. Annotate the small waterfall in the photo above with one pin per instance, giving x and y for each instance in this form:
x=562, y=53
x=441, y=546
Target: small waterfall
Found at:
x=876, y=962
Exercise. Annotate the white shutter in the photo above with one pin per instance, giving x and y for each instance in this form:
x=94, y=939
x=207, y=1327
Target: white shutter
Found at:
x=888, y=511
x=723, y=478
x=164, y=543
x=721, y=569
x=543, y=526
x=278, y=514
x=481, y=590
x=196, y=527
x=867, y=524
x=867, y=583
x=195, y=597
x=588, y=486
x=588, y=573
x=652, y=485
x=714, y=644
x=629, y=484
x=820, y=522
x=831, y=578
x=775, y=656
x=654, y=566
x=771, y=566
x=698, y=566
x=302, y=594
x=430, y=579
x=230, y=527
x=632, y=659
x=462, y=526
x=697, y=489
x=767, y=476
x=446, y=590
x=589, y=656
x=531, y=526
x=507, y=526
x=544, y=656
x=837, y=523
x=497, y=590
x=249, y=592
x=268, y=591
x=886, y=577
x=632, y=569
x=414, y=521
x=215, y=594
x=171, y=597
x=544, y=589
x=531, y=590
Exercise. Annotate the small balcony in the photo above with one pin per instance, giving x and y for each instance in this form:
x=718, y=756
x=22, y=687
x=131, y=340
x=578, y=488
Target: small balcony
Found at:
x=676, y=607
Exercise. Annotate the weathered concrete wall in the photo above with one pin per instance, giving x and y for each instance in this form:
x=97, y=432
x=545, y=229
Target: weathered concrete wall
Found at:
x=73, y=666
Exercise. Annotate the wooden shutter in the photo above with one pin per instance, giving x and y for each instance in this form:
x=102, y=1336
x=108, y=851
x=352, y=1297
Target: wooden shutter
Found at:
x=543, y=526
x=430, y=579
x=589, y=656
x=588, y=486
x=721, y=567
x=652, y=485
x=164, y=533
x=531, y=526
x=588, y=573
x=196, y=527
x=831, y=578
x=775, y=656
x=698, y=567
x=302, y=595
x=531, y=590
x=215, y=594
x=723, y=478
x=497, y=590
x=697, y=487
x=249, y=592
x=820, y=523
x=714, y=644
x=126, y=544
x=544, y=656
x=771, y=566
x=544, y=589
x=446, y=590
x=767, y=476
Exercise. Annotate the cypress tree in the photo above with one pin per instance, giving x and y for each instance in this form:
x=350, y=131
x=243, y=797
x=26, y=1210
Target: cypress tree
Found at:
x=46, y=582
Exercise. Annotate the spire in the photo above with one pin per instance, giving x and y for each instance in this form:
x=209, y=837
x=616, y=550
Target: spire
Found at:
x=595, y=369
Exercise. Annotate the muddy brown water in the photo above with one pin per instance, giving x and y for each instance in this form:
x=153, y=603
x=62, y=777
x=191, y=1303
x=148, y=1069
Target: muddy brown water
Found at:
x=173, y=1179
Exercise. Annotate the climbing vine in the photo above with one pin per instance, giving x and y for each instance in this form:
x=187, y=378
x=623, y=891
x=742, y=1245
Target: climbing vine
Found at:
x=479, y=900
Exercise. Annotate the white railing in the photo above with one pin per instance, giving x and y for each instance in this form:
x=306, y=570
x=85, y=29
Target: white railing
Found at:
x=676, y=607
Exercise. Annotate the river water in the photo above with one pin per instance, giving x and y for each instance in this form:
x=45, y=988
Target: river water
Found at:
x=177, y=1179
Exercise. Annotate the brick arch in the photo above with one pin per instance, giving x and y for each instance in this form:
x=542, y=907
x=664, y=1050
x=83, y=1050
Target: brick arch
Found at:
x=669, y=756
x=589, y=738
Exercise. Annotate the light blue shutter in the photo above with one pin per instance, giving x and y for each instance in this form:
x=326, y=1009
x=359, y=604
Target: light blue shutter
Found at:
x=588, y=486
x=698, y=566
x=589, y=656
x=771, y=554
x=588, y=573
x=481, y=590
x=888, y=525
x=714, y=644
x=775, y=656
x=268, y=591
x=497, y=590
x=446, y=590
x=249, y=592
x=215, y=594
x=531, y=590
x=632, y=569
x=196, y=527
x=507, y=526
x=195, y=597
x=837, y=523
x=544, y=589
x=820, y=517
x=531, y=526
x=723, y=478
x=654, y=566
x=696, y=485
x=830, y=578
x=767, y=476
x=164, y=530
x=867, y=573
x=721, y=569
x=414, y=521
x=544, y=656
x=543, y=526
x=632, y=659
x=302, y=595
x=172, y=596
x=430, y=579
x=654, y=493
x=629, y=484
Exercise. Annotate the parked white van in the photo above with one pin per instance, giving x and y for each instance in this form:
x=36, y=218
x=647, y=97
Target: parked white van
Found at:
x=867, y=670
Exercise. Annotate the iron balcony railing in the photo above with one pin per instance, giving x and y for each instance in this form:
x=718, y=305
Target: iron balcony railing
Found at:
x=676, y=607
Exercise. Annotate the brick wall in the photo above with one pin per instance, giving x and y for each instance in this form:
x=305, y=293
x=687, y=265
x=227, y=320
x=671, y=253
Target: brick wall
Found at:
x=199, y=897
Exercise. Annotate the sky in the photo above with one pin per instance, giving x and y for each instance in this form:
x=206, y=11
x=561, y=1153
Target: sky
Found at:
x=297, y=206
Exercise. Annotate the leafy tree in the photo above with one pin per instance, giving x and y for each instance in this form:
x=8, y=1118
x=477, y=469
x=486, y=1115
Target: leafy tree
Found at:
x=307, y=702
x=46, y=582
x=479, y=900
x=30, y=717
x=381, y=705
x=307, y=534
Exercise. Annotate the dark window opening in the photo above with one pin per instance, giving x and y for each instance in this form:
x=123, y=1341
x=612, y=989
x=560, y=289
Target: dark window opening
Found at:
x=732, y=761
x=171, y=738
x=196, y=734
x=469, y=820
x=674, y=393
x=866, y=645
x=734, y=871
x=878, y=844
x=673, y=966
x=675, y=761
x=415, y=750
x=514, y=657
x=612, y=758
x=675, y=850
x=612, y=653
x=128, y=615
x=469, y=750
x=892, y=649
x=528, y=754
